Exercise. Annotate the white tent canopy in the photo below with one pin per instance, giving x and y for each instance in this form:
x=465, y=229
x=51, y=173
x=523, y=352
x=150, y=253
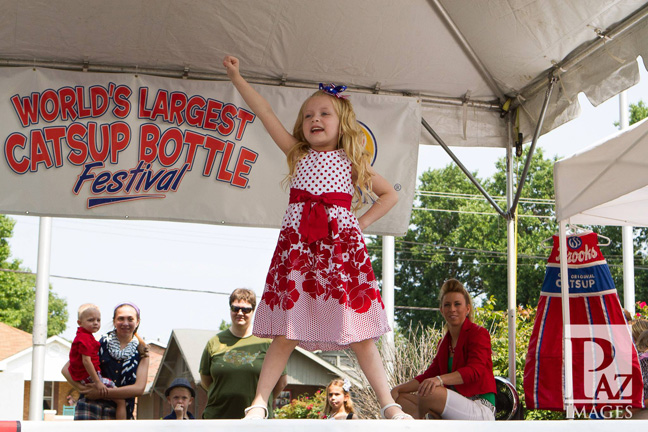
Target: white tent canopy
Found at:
x=606, y=184
x=464, y=58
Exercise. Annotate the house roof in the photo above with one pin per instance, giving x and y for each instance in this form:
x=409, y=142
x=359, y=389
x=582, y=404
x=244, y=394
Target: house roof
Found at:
x=156, y=353
x=191, y=343
x=13, y=340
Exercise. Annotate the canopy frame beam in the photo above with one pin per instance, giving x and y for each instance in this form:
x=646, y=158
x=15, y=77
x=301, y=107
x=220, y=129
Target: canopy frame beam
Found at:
x=576, y=57
x=465, y=170
x=465, y=46
x=185, y=73
x=536, y=136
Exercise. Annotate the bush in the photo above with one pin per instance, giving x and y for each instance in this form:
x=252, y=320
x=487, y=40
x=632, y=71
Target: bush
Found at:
x=304, y=407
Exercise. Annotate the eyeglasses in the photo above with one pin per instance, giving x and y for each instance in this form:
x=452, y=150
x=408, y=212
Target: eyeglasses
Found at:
x=245, y=310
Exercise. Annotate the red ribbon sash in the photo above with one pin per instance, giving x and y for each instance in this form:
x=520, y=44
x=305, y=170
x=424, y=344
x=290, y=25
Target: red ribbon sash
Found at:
x=314, y=223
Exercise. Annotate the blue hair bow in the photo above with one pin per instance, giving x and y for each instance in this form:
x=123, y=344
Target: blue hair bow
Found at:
x=333, y=90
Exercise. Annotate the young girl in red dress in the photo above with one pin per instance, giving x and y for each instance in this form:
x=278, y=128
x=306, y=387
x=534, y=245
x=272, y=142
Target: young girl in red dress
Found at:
x=321, y=292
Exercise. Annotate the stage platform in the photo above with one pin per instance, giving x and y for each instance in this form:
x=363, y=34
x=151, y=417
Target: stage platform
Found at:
x=313, y=426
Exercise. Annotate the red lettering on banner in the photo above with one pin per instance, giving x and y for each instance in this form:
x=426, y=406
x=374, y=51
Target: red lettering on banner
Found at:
x=143, y=112
x=227, y=120
x=223, y=173
x=79, y=153
x=49, y=105
x=177, y=107
x=212, y=115
x=99, y=100
x=195, y=116
x=38, y=150
x=160, y=106
x=16, y=140
x=149, y=137
x=120, y=136
x=245, y=157
x=194, y=140
x=26, y=108
x=213, y=146
x=246, y=117
x=67, y=97
x=170, y=135
x=81, y=108
x=55, y=134
x=93, y=143
x=122, y=104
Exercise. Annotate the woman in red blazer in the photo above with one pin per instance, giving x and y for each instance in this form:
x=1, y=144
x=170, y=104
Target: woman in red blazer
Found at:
x=459, y=384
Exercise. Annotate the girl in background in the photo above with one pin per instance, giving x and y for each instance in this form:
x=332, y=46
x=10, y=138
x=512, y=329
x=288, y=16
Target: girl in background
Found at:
x=339, y=405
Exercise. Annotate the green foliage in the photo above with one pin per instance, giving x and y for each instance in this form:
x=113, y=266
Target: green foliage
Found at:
x=224, y=325
x=17, y=291
x=638, y=112
x=459, y=240
x=304, y=407
x=464, y=238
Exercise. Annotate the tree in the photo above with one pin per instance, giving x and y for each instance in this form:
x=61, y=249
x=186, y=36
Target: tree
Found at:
x=430, y=252
x=638, y=112
x=17, y=291
x=456, y=233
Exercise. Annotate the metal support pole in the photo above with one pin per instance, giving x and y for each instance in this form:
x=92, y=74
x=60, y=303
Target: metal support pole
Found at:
x=511, y=249
x=536, y=135
x=427, y=126
x=37, y=384
x=567, y=345
x=627, y=231
x=388, y=254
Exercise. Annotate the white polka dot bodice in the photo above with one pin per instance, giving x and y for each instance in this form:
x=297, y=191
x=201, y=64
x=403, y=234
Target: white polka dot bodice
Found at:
x=322, y=293
x=318, y=173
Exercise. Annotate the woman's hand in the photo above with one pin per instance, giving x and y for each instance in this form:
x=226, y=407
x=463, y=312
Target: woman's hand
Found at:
x=92, y=392
x=231, y=64
x=428, y=385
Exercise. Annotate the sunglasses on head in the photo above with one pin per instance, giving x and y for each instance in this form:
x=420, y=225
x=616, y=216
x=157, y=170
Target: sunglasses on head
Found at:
x=245, y=310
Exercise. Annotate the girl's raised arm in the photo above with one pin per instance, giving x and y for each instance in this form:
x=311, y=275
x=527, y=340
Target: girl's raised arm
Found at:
x=259, y=106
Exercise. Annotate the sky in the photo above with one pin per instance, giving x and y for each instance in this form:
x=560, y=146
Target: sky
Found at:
x=109, y=262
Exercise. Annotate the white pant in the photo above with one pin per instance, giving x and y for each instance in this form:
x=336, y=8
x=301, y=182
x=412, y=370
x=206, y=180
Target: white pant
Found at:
x=458, y=407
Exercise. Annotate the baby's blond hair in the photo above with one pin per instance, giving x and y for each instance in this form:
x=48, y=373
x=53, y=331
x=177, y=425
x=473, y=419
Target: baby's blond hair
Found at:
x=86, y=307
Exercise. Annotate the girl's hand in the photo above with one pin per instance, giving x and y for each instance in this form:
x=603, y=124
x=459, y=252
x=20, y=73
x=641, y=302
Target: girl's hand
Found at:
x=231, y=64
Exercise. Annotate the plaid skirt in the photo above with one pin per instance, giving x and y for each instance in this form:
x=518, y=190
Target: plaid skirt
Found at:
x=94, y=410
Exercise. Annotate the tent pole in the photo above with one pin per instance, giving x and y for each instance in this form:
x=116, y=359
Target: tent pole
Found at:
x=481, y=67
x=388, y=247
x=511, y=249
x=454, y=157
x=627, y=231
x=567, y=346
x=39, y=334
x=536, y=135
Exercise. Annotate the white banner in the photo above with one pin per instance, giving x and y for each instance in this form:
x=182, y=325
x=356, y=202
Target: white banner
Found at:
x=121, y=146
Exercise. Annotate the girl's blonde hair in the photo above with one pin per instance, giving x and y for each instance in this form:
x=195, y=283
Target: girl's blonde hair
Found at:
x=454, y=286
x=351, y=140
x=348, y=403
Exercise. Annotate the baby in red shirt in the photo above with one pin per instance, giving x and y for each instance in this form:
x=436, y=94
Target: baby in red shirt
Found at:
x=84, y=355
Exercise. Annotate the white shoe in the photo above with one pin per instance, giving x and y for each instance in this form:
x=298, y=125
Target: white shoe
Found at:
x=256, y=416
x=400, y=416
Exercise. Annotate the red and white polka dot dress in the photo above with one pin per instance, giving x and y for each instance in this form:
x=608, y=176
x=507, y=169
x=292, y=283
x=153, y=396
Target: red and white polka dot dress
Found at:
x=323, y=294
